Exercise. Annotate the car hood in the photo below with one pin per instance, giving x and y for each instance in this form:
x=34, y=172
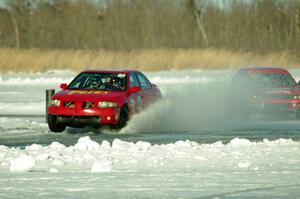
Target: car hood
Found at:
x=89, y=95
x=274, y=92
x=295, y=90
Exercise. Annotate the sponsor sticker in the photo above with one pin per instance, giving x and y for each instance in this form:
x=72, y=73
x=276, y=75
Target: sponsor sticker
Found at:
x=87, y=92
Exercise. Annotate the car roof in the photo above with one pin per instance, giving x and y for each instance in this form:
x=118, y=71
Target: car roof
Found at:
x=109, y=71
x=265, y=70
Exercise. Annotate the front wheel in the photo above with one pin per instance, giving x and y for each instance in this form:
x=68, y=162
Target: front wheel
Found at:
x=53, y=126
x=124, y=117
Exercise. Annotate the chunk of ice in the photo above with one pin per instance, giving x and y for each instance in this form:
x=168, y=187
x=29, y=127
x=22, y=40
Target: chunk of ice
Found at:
x=22, y=164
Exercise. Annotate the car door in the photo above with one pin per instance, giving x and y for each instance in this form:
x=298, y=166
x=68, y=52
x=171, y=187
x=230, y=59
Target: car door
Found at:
x=147, y=93
x=135, y=98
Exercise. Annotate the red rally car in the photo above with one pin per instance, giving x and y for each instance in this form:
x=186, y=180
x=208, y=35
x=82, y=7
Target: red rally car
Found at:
x=264, y=90
x=100, y=97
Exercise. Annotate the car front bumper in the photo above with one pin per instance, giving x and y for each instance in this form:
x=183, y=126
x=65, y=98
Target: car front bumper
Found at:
x=85, y=117
x=288, y=106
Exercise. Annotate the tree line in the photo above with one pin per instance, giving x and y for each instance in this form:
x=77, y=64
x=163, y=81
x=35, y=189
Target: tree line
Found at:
x=259, y=26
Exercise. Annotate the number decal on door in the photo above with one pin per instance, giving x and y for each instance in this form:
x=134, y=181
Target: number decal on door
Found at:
x=139, y=103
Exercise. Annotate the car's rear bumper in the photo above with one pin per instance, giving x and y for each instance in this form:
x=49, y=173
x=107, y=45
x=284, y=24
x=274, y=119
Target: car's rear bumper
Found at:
x=85, y=117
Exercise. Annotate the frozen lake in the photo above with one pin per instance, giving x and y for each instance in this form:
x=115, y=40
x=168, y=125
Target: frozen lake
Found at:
x=184, y=146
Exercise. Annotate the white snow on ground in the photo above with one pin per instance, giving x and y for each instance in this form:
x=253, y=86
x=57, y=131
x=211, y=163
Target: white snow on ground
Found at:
x=7, y=124
x=183, y=169
x=22, y=163
x=120, y=169
x=24, y=94
x=183, y=80
x=27, y=80
x=87, y=155
x=27, y=108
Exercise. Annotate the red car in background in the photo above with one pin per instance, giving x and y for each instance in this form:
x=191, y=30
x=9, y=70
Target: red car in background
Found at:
x=101, y=97
x=271, y=91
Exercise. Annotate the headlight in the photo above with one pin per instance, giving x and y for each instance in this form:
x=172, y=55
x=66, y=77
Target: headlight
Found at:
x=55, y=102
x=107, y=104
x=297, y=97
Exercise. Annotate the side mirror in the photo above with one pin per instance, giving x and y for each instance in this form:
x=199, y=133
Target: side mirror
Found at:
x=134, y=89
x=154, y=85
x=64, y=86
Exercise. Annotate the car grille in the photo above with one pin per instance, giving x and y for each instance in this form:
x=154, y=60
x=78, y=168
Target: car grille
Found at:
x=289, y=97
x=69, y=104
x=88, y=105
x=84, y=105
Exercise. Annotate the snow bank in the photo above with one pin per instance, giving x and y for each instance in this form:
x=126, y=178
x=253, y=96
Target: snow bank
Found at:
x=181, y=80
x=19, y=108
x=18, y=81
x=86, y=144
x=90, y=156
x=163, y=77
x=38, y=79
x=22, y=163
x=189, y=76
x=8, y=126
x=101, y=166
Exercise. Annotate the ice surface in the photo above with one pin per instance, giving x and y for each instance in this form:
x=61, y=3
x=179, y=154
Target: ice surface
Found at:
x=171, y=167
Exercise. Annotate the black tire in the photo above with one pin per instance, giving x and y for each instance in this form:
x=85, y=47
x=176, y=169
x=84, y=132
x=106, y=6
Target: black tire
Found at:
x=53, y=126
x=124, y=117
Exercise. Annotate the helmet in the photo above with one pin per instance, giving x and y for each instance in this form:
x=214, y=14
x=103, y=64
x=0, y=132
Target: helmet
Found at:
x=95, y=82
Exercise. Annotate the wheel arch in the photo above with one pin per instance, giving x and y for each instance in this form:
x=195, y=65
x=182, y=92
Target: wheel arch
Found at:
x=125, y=105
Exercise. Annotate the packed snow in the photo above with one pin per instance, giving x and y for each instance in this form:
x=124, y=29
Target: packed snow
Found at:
x=172, y=154
x=89, y=156
x=143, y=170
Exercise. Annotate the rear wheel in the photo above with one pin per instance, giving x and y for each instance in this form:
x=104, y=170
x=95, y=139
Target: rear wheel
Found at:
x=53, y=126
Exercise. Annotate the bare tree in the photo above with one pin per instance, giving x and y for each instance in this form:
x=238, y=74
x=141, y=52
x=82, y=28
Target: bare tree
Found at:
x=199, y=12
x=259, y=26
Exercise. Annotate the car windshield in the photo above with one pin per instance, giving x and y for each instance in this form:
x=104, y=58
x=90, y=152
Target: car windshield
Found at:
x=266, y=79
x=272, y=79
x=100, y=81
